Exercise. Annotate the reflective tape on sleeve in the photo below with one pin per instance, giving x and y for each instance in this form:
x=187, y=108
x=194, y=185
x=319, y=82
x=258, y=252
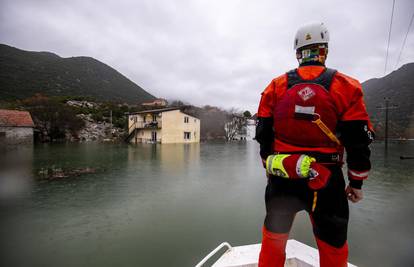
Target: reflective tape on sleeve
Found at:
x=358, y=175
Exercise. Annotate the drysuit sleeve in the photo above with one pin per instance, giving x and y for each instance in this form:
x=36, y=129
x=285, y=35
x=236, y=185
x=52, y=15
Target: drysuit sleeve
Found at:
x=264, y=126
x=356, y=135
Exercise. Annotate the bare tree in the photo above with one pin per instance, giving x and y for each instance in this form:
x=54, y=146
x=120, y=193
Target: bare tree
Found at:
x=236, y=125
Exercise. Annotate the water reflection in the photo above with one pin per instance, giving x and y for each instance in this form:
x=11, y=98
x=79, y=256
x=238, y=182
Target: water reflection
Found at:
x=15, y=172
x=172, y=156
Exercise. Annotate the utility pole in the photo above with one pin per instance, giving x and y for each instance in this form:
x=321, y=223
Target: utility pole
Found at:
x=387, y=108
x=387, y=103
x=110, y=115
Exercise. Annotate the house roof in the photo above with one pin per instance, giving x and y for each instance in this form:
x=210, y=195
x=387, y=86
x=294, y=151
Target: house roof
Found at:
x=163, y=110
x=156, y=110
x=15, y=118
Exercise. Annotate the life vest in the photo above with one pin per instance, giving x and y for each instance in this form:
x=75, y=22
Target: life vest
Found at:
x=303, y=102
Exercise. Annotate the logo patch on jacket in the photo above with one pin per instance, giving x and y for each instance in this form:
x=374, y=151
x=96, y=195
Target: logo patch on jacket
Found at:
x=306, y=93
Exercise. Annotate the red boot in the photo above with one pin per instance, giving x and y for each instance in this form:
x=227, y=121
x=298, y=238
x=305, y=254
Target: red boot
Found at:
x=273, y=249
x=330, y=256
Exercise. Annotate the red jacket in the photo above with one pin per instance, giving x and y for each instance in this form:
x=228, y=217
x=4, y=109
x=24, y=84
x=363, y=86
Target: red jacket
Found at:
x=352, y=122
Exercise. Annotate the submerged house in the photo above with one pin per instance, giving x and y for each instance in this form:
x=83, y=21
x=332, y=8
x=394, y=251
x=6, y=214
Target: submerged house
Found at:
x=166, y=125
x=16, y=127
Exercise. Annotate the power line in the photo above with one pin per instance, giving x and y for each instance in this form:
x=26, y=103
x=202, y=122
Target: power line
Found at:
x=405, y=39
x=389, y=37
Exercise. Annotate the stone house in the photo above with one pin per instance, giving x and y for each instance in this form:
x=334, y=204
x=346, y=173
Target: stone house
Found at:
x=16, y=127
x=166, y=125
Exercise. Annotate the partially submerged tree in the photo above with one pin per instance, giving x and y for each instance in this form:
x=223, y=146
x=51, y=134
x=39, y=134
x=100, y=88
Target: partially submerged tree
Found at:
x=236, y=125
x=247, y=114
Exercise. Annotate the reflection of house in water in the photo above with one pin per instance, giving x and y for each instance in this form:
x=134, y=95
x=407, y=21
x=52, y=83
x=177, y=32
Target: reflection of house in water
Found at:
x=16, y=127
x=16, y=154
x=171, y=158
x=179, y=158
x=166, y=125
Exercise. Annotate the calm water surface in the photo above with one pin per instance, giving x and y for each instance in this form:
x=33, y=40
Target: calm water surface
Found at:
x=169, y=205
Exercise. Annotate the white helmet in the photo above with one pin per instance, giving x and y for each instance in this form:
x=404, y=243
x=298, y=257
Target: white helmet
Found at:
x=312, y=33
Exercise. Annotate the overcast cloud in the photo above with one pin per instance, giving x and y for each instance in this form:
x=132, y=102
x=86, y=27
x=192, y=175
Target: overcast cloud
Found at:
x=208, y=52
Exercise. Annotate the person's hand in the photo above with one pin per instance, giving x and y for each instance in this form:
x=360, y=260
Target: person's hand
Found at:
x=354, y=194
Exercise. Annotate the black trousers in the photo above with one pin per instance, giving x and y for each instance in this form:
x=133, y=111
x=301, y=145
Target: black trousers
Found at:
x=284, y=198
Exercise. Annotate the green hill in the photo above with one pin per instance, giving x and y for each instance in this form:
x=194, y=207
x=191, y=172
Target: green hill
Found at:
x=25, y=73
x=398, y=86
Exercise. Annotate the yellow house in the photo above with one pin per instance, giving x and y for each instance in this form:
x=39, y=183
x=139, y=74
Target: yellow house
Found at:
x=166, y=125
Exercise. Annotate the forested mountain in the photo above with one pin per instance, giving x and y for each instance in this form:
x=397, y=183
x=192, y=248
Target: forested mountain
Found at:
x=398, y=87
x=25, y=73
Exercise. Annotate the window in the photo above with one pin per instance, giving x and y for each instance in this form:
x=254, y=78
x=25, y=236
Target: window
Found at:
x=187, y=135
x=154, y=117
x=185, y=119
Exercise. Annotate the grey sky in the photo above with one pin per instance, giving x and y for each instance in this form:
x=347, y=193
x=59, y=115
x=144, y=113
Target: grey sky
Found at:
x=208, y=52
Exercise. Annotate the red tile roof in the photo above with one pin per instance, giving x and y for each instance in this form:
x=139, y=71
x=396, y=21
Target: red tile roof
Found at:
x=15, y=118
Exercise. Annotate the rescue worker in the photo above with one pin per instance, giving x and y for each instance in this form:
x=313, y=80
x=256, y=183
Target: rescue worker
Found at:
x=315, y=112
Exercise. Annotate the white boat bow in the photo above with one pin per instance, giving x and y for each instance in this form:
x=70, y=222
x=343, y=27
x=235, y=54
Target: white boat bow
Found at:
x=297, y=255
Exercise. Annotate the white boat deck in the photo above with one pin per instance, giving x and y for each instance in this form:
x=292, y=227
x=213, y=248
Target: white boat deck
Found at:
x=297, y=255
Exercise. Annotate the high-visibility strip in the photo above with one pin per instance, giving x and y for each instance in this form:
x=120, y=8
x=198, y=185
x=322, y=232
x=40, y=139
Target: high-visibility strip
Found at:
x=274, y=165
x=277, y=166
x=303, y=166
x=326, y=130
x=299, y=166
x=358, y=175
x=269, y=163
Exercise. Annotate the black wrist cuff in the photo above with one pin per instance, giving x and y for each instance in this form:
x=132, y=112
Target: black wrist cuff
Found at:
x=357, y=184
x=265, y=152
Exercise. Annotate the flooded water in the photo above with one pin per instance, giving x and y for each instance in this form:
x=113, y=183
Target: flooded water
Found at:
x=169, y=205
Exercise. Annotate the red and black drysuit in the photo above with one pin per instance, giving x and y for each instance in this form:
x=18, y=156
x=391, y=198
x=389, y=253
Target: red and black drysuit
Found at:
x=284, y=125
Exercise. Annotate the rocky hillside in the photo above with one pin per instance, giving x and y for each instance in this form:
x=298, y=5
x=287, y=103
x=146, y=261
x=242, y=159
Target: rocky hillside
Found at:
x=398, y=86
x=25, y=73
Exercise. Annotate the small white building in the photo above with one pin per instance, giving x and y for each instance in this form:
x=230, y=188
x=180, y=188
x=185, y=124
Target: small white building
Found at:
x=240, y=128
x=16, y=127
x=166, y=125
x=250, y=129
